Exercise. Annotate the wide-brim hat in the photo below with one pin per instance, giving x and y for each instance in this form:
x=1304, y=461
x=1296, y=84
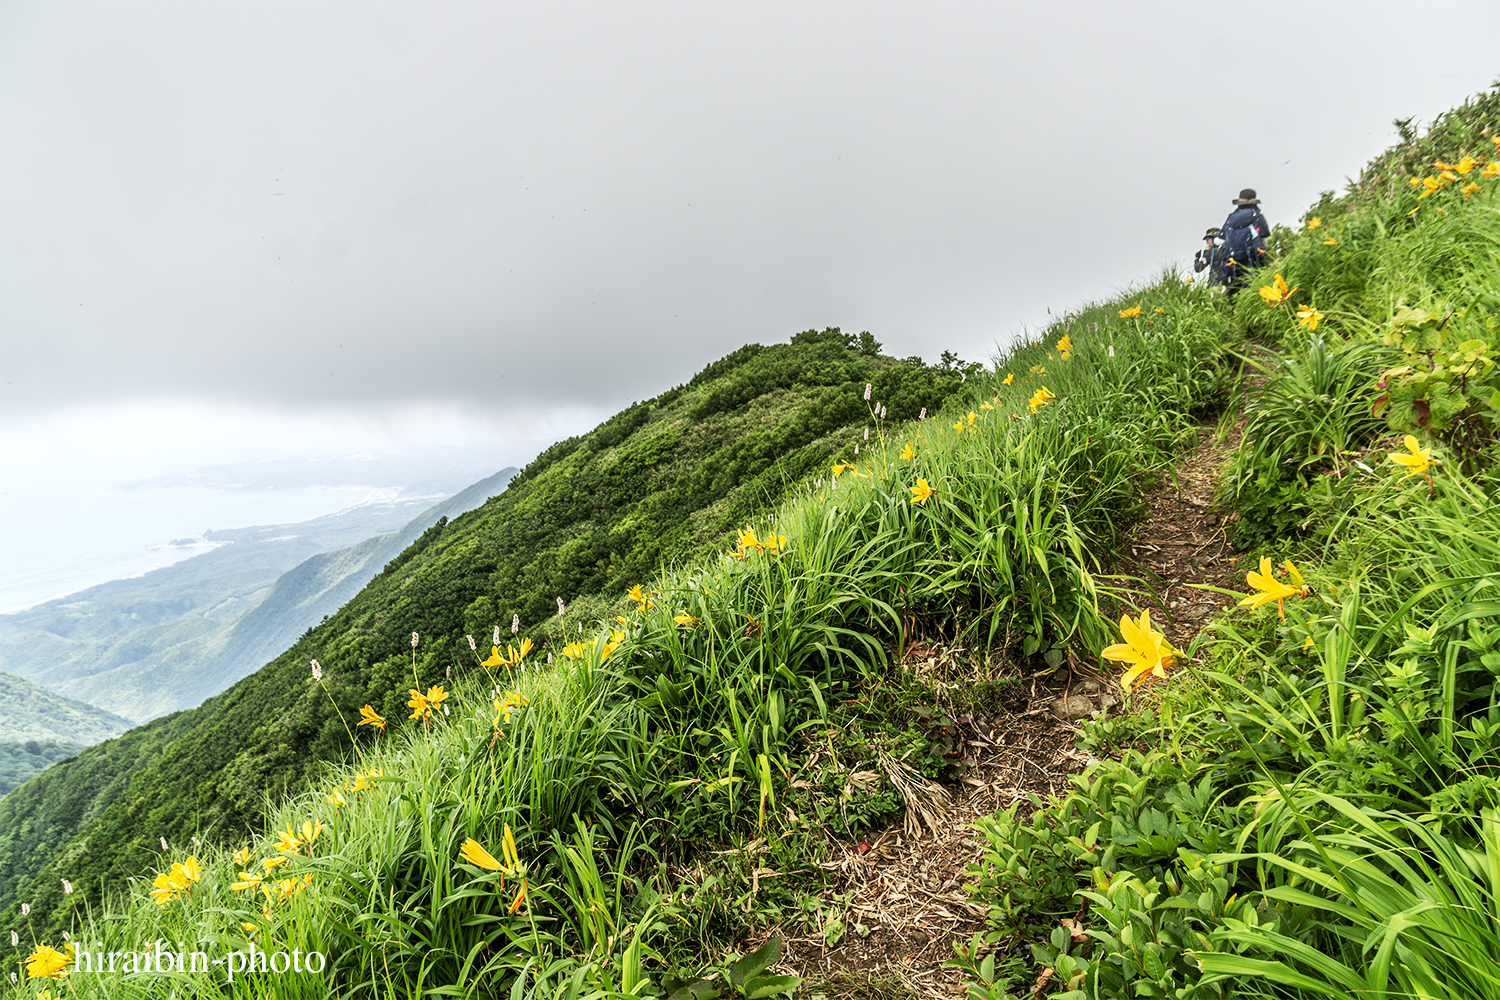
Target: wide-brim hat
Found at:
x=1247, y=197
x=1215, y=231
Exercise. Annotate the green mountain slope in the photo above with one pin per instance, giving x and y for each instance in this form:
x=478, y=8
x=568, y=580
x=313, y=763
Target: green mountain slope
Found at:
x=34, y=713
x=590, y=516
x=38, y=728
x=165, y=641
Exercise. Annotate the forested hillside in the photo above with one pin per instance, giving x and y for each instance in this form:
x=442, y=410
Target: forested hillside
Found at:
x=588, y=517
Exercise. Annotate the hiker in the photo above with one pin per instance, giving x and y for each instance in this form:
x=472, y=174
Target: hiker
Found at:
x=1210, y=258
x=1244, y=234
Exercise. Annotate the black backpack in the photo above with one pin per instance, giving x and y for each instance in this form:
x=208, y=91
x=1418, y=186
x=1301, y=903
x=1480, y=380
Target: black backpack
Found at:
x=1244, y=235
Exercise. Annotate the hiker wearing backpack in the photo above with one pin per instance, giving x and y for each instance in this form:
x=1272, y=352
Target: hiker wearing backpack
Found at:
x=1210, y=258
x=1244, y=234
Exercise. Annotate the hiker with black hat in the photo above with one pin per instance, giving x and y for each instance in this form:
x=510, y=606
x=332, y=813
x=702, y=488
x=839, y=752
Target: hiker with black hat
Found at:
x=1210, y=258
x=1244, y=234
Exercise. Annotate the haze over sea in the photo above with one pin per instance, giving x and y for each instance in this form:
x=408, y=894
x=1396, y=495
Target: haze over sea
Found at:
x=90, y=496
x=96, y=535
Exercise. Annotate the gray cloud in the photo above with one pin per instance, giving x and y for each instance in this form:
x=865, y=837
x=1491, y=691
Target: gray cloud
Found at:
x=521, y=206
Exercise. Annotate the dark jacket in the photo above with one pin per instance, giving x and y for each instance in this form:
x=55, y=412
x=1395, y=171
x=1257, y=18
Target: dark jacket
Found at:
x=1244, y=234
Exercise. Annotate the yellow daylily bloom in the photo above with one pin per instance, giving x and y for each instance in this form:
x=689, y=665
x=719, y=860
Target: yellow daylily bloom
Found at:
x=335, y=799
x=959, y=426
x=513, y=700
x=1309, y=317
x=1417, y=461
x=1276, y=293
x=1145, y=649
x=922, y=492
x=1493, y=170
x=909, y=452
x=436, y=696
x=1041, y=398
x=311, y=830
x=973, y=416
x=289, y=841
x=641, y=598
x=1131, y=313
x=1038, y=370
x=47, y=962
x=1291, y=570
x=775, y=545
x=248, y=881
x=1064, y=346
x=1009, y=379
x=495, y=660
x=420, y=709
x=168, y=886
x=369, y=717
x=573, y=650
x=275, y=862
x=1330, y=242
x=242, y=855
x=1271, y=589
x=1314, y=222
x=691, y=621
x=1469, y=188
x=1462, y=167
x=475, y=854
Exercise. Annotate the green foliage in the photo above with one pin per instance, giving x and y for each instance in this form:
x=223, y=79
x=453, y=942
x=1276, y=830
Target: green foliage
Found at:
x=20, y=762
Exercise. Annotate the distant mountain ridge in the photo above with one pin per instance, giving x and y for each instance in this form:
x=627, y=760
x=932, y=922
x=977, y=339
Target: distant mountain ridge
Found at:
x=163, y=642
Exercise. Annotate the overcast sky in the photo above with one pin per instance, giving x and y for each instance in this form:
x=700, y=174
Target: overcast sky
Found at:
x=282, y=226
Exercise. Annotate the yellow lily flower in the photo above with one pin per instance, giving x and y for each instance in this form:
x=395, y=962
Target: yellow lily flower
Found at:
x=475, y=854
x=1314, y=222
x=369, y=717
x=1131, y=313
x=1417, y=461
x=1308, y=317
x=495, y=660
x=1038, y=370
x=1009, y=379
x=1276, y=293
x=573, y=650
x=248, y=881
x=1271, y=589
x=1144, y=648
x=420, y=709
x=289, y=841
x=47, y=962
x=909, y=452
x=1493, y=170
x=1330, y=242
x=922, y=492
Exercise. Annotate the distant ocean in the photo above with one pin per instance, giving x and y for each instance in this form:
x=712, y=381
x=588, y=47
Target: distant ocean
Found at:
x=60, y=543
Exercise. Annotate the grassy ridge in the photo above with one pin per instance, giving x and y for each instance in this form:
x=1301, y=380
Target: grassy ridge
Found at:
x=705, y=712
x=589, y=514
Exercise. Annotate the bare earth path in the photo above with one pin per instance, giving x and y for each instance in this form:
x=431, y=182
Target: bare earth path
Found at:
x=900, y=894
